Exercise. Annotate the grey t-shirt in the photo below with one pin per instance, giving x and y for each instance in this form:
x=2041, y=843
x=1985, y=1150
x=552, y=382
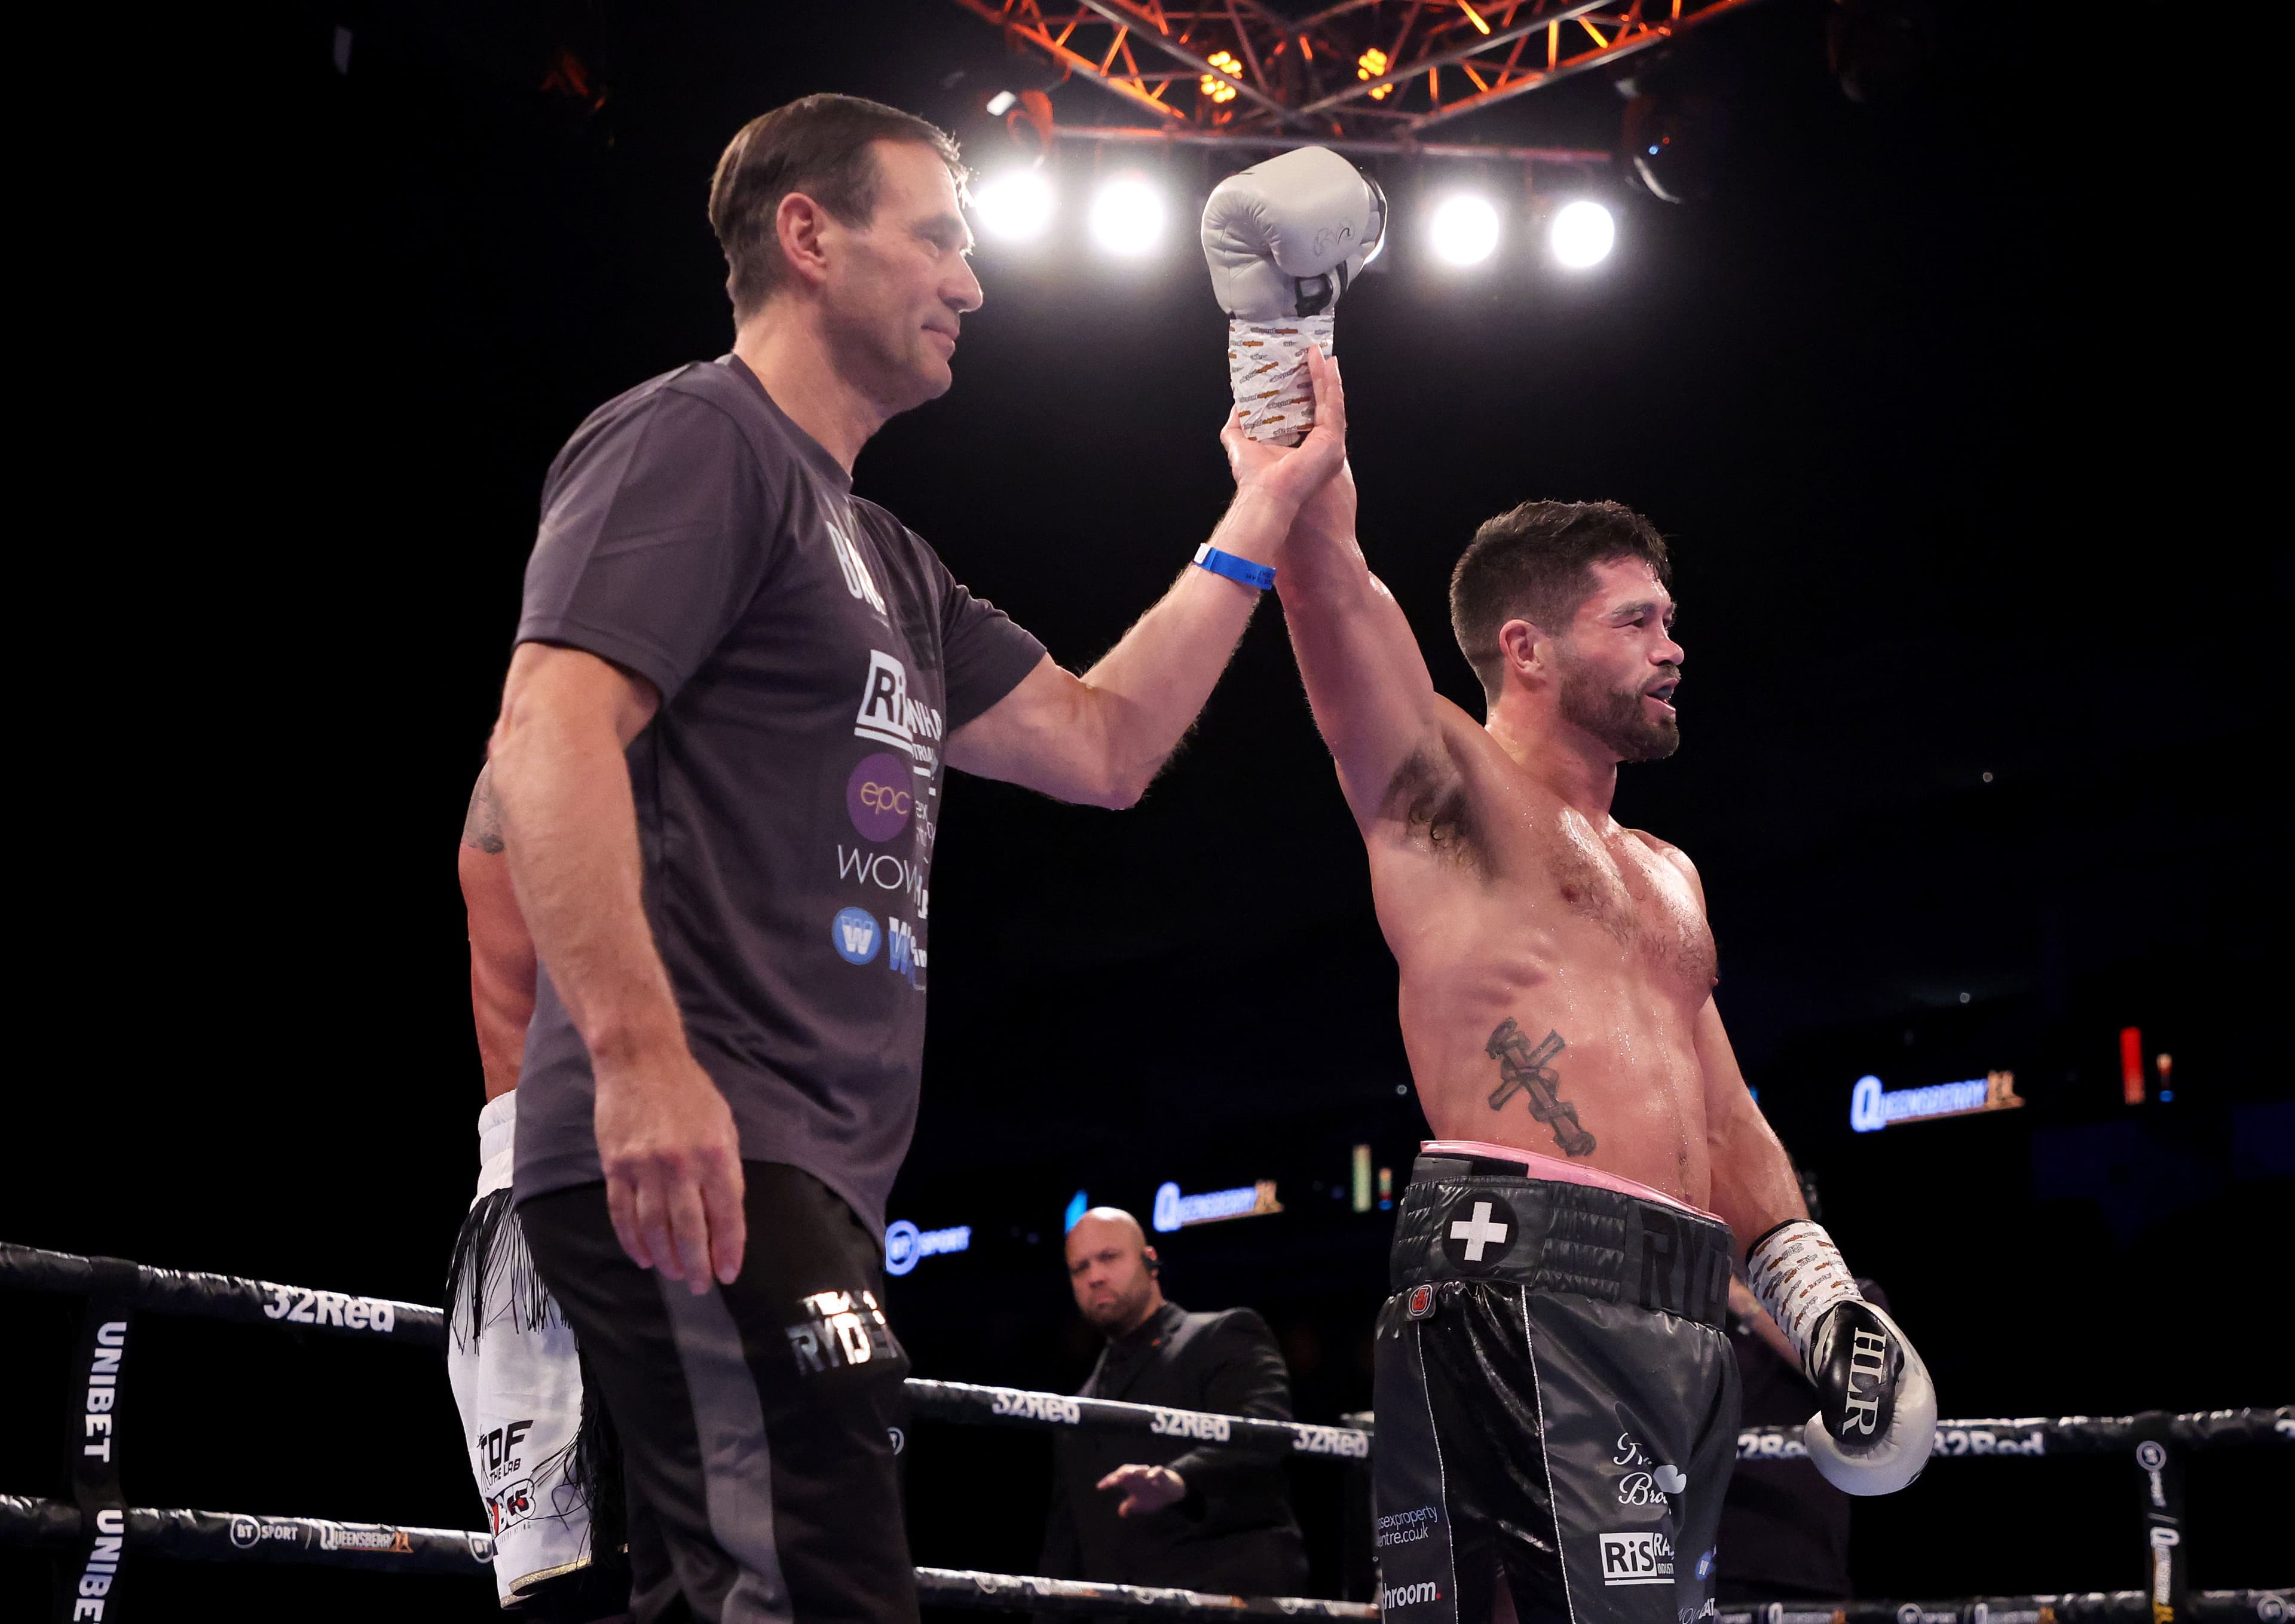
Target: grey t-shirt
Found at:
x=812, y=656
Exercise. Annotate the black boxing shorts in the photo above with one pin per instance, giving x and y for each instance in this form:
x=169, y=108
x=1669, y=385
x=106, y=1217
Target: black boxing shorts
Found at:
x=1557, y=1396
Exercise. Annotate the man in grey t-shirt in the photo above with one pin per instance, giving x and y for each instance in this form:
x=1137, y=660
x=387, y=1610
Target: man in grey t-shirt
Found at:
x=719, y=764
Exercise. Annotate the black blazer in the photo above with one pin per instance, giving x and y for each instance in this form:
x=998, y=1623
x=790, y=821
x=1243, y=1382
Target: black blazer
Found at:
x=1235, y=1532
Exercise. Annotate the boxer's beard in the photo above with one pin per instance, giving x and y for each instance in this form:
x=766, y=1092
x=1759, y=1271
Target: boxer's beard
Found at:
x=1616, y=717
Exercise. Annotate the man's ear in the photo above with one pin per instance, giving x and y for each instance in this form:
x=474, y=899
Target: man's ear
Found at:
x=800, y=225
x=1155, y=1263
x=1525, y=649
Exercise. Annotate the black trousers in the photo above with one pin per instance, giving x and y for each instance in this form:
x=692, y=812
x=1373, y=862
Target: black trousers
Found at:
x=757, y=1419
x=1556, y=1401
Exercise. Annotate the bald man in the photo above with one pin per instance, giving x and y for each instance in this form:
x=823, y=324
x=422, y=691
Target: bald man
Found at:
x=1146, y=1511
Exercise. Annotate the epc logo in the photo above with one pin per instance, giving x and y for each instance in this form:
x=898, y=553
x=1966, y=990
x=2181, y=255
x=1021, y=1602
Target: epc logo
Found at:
x=879, y=795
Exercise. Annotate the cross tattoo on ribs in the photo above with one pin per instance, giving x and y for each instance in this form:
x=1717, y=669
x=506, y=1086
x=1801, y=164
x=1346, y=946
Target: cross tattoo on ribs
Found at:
x=1523, y=1070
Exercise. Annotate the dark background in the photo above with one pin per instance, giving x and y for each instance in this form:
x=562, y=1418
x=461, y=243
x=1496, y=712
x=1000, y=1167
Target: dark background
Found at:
x=1925, y=398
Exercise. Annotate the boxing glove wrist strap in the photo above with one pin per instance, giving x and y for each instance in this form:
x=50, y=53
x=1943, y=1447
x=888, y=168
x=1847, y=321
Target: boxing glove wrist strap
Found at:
x=1796, y=1272
x=1259, y=575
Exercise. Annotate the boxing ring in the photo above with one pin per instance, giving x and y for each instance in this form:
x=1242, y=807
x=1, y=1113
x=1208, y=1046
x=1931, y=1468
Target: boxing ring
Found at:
x=96, y=1536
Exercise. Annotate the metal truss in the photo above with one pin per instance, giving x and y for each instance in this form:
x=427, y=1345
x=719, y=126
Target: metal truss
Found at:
x=1363, y=74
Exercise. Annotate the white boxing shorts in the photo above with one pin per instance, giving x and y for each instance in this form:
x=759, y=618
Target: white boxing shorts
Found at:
x=518, y=1381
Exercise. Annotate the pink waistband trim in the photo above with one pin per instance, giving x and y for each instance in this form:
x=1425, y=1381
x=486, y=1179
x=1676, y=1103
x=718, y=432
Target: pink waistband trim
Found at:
x=1537, y=1166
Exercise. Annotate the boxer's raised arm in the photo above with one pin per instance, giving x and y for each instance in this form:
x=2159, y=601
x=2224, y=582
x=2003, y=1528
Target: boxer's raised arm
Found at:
x=501, y=952
x=1367, y=681
x=666, y=1135
x=1102, y=737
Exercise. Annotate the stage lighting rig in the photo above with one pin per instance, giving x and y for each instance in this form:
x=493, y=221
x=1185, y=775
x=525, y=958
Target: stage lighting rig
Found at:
x=1677, y=128
x=1356, y=77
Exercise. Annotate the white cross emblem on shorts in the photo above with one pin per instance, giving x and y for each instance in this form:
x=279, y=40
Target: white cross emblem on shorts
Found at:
x=1478, y=1232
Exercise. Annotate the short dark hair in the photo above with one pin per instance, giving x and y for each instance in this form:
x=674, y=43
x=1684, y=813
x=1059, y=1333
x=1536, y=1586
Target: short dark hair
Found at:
x=1536, y=563
x=819, y=145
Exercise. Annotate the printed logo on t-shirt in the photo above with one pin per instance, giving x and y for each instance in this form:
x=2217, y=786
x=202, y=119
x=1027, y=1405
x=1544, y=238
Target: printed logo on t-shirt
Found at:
x=857, y=579
x=878, y=797
x=889, y=716
x=908, y=958
x=855, y=934
x=1645, y=1557
x=886, y=872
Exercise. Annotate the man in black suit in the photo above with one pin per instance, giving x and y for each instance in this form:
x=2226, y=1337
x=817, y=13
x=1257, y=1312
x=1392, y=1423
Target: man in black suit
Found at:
x=1156, y=1511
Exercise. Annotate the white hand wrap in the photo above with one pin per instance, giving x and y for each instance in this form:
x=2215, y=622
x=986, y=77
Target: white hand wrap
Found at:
x=1266, y=368
x=1797, y=1272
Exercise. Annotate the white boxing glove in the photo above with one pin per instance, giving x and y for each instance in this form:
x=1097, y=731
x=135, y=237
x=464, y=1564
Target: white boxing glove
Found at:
x=1283, y=239
x=1877, y=1408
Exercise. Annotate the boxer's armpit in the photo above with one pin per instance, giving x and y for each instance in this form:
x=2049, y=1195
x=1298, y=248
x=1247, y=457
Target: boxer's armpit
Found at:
x=1527, y=1069
x=1428, y=796
x=482, y=827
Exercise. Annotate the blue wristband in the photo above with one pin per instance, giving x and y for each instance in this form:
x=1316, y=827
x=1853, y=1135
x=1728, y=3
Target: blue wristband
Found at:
x=1261, y=576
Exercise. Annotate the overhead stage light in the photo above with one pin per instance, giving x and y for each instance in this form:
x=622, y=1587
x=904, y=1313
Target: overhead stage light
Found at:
x=1001, y=102
x=1582, y=234
x=1015, y=206
x=1465, y=230
x=1127, y=218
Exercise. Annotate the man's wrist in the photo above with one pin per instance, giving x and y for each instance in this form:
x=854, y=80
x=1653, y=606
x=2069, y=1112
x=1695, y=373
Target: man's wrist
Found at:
x=627, y=1041
x=1255, y=525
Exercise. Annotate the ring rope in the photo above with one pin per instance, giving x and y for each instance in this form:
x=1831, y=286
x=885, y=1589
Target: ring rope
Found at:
x=216, y=1536
x=232, y=1297
x=107, y=1528
x=222, y=1536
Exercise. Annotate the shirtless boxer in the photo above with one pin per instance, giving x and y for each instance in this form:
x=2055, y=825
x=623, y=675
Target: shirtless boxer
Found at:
x=1556, y=1398
x=541, y=1456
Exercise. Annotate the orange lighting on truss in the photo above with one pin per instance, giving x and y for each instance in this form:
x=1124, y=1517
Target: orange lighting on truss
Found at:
x=1369, y=65
x=1218, y=89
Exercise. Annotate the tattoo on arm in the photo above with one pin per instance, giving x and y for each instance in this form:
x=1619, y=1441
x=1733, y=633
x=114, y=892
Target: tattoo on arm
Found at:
x=482, y=826
x=1525, y=1070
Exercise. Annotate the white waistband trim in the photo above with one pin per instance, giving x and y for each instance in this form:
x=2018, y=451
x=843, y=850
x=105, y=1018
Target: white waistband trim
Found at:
x=1538, y=1166
x=497, y=1142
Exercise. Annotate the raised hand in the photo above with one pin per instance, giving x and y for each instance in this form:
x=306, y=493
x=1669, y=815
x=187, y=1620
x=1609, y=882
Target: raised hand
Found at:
x=1297, y=475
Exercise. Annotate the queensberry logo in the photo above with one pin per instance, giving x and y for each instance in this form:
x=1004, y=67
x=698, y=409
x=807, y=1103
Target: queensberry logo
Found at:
x=1172, y=1211
x=855, y=934
x=906, y=1245
x=1871, y=1107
